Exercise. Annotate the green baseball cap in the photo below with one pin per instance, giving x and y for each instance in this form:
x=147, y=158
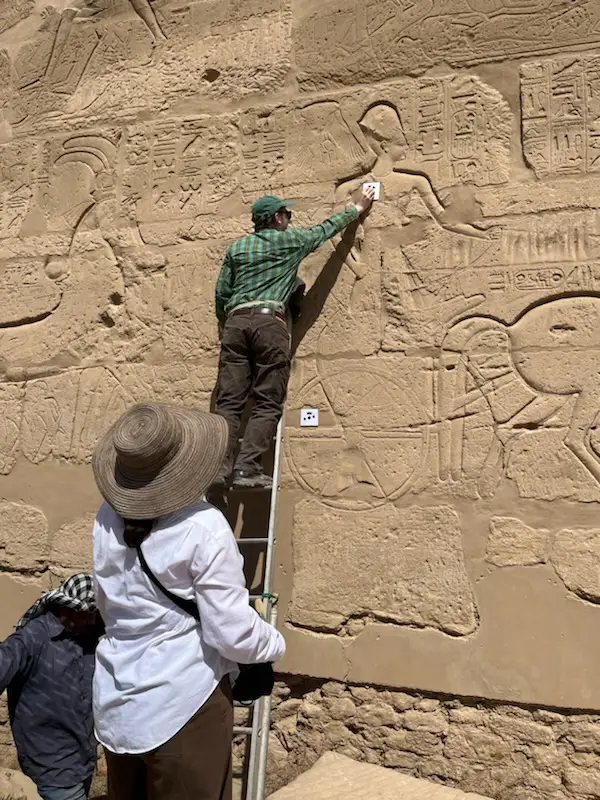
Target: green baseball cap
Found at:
x=267, y=205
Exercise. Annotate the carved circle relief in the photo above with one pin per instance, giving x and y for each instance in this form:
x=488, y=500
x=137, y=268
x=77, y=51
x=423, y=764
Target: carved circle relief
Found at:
x=372, y=439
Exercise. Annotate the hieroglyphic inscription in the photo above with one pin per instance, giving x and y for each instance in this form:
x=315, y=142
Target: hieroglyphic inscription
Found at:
x=560, y=101
x=551, y=280
x=552, y=250
x=457, y=129
x=18, y=161
x=346, y=43
x=263, y=151
x=309, y=143
x=451, y=123
x=179, y=168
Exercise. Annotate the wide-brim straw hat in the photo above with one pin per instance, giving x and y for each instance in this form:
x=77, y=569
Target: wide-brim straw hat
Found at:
x=158, y=458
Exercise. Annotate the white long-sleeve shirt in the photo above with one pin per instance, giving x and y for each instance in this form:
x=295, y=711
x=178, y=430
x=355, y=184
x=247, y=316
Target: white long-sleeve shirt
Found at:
x=157, y=666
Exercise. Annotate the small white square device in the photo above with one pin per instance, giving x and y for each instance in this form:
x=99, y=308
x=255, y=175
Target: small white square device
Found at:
x=376, y=186
x=309, y=418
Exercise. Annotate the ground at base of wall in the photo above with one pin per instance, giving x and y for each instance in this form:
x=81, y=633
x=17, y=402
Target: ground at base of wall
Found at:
x=337, y=777
x=505, y=752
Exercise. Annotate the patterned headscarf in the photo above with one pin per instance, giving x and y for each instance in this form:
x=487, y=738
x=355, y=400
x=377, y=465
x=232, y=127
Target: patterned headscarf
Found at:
x=77, y=593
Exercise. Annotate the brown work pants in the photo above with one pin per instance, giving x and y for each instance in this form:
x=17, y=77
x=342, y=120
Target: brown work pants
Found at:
x=254, y=363
x=194, y=765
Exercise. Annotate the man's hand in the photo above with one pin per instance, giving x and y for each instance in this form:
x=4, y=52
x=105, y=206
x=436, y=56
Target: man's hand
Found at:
x=366, y=200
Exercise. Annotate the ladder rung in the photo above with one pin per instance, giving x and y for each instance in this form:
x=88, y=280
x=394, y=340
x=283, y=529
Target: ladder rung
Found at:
x=239, y=731
x=260, y=540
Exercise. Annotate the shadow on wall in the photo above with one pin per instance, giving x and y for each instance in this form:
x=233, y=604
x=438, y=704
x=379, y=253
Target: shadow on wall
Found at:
x=248, y=512
x=317, y=295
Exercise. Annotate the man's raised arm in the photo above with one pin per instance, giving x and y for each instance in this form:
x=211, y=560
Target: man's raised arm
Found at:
x=314, y=237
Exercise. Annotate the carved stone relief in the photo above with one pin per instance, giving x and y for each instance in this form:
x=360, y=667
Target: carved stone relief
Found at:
x=534, y=375
x=373, y=437
x=574, y=553
x=454, y=358
x=107, y=58
x=345, y=43
x=560, y=102
x=391, y=565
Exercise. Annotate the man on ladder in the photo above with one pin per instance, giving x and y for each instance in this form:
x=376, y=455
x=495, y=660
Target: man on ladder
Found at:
x=258, y=277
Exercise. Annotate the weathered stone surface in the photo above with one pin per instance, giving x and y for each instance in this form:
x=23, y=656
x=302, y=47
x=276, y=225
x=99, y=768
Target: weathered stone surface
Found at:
x=23, y=537
x=560, y=139
x=71, y=547
x=336, y=776
x=438, y=528
x=17, y=594
x=16, y=786
x=420, y=742
x=409, y=575
x=430, y=721
x=12, y=13
x=520, y=729
x=336, y=46
x=372, y=715
x=475, y=743
x=582, y=781
x=585, y=737
x=341, y=709
x=576, y=558
x=512, y=543
x=504, y=751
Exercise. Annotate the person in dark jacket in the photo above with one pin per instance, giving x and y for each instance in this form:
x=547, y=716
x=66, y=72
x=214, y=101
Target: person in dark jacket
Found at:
x=47, y=665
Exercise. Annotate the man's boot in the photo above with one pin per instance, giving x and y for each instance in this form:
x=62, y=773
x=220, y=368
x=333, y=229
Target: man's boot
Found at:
x=251, y=480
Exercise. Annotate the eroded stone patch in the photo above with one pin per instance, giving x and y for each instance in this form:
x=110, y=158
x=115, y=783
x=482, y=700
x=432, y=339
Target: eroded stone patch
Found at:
x=403, y=566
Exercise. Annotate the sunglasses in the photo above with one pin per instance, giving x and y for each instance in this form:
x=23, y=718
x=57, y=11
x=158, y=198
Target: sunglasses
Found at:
x=287, y=212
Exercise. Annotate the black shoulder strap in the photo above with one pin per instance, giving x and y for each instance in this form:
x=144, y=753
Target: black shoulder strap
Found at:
x=185, y=605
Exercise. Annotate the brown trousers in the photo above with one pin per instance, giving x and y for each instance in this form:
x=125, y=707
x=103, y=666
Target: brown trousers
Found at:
x=254, y=364
x=194, y=765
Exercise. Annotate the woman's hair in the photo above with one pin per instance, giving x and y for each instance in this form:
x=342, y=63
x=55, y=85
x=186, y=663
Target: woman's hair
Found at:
x=136, y=530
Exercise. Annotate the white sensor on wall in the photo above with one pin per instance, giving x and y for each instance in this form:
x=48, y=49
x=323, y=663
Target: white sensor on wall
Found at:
x=309, y=417
x=376, y=186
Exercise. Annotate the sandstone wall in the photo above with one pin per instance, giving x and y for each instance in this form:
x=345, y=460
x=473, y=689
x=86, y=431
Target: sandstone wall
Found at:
x=439, y=529
x=497, y=750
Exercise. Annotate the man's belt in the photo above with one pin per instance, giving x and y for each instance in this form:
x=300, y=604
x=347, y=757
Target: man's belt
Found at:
x=258, y=310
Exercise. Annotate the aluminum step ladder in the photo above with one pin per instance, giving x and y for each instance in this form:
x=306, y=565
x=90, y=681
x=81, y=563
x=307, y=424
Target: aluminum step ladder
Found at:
x=257, y=733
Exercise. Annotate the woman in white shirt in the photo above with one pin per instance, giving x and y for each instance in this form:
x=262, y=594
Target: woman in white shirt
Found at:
x=162, y=686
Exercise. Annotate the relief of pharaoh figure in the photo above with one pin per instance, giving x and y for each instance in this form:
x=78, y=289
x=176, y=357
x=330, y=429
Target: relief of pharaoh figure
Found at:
x=385, y=136
x=419, y=306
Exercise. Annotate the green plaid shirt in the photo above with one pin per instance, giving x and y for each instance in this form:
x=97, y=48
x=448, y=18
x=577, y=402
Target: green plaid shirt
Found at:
x=263, y=266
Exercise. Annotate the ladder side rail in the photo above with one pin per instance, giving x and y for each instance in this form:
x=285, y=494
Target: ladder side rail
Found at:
x=259, y=741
